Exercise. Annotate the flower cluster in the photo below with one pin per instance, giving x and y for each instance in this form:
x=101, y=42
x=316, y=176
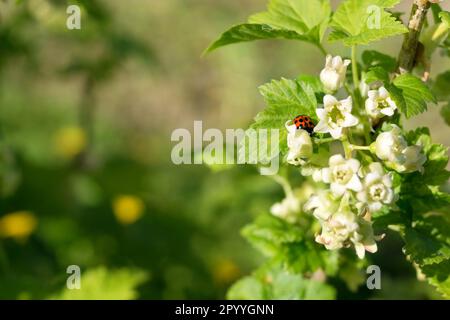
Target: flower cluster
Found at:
x=357, y=186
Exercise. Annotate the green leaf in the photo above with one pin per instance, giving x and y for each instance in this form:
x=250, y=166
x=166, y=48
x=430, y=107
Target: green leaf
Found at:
x=357, y=22
x=377, y=74
x=423, y=249
x=302, y=16
x=248, y=288
x=415, y=95
x=435, y=172
x=445, y=113
x=304, y=20
x=441, y=86
x=427, y=244
x=285, y=100
x=307, y=256
x=287, y=286
x=420, y=193
x=315, y=83
x=290, y=95
x=445, y=17
x=267, y=233
x=372, y=58
x=104, y=284
x=250, y=32
x=272, y=282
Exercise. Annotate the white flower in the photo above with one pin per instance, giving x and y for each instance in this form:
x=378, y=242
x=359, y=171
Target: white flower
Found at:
x=335, y=116
x=322, y=205
x=414, y=160
x=333, y=75
x=288, y=209
x=392, y=147
x=389, y=145
x=380, y=104
x=342, y=175
x=344, y=229
x=377, y=188
x=364, y=239
x=337, y=230
x=299, y=144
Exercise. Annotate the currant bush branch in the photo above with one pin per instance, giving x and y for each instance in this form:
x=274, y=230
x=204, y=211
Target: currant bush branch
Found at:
x=408, y=53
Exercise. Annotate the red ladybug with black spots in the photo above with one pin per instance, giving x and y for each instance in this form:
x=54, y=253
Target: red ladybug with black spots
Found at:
x=304, y=122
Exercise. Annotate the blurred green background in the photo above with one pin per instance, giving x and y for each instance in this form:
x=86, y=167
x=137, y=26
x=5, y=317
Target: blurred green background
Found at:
x=86, y=177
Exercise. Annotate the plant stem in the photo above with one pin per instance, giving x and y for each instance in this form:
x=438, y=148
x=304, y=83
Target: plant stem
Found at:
x=355, y=69
x=324, y=140
x=282, y=181
x=354, y=147
x=322, y=49
x=347, y=147
x=410, y=45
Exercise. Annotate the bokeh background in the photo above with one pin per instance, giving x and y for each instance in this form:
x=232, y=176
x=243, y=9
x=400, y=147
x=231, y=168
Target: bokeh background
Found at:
x=86, y=177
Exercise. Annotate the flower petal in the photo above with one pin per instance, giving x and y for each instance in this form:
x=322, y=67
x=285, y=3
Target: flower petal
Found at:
x=338, y=189
x=350, y=120
x=329, y=100
x=336, y=133
x=354, y=183
x=321, y=127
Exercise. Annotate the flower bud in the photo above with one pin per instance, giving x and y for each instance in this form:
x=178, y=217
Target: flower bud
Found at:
x=392, y=147
x=300, y=145
x=287, y=209
x=333, y=75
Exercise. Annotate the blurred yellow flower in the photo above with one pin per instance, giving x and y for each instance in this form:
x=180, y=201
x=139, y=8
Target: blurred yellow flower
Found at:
x=128, y=209
x=18, y=225
x=70, y=141
x=225, y=271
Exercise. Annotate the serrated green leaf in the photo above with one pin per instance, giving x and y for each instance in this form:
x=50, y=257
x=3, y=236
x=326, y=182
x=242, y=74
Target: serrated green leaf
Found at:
x=285, y=99
x=304, y=20
x=251, y=32
x=358, y=22
x=290, y=95
x=302, y=16
x=424, y=249
x=438, y=276
x=307, y=256
x=315, y=83
x=272, y=282
x=427, y=244
x=268, y=233
x=415, y=94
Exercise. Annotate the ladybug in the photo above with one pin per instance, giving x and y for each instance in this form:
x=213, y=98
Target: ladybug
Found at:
x=305, y=123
